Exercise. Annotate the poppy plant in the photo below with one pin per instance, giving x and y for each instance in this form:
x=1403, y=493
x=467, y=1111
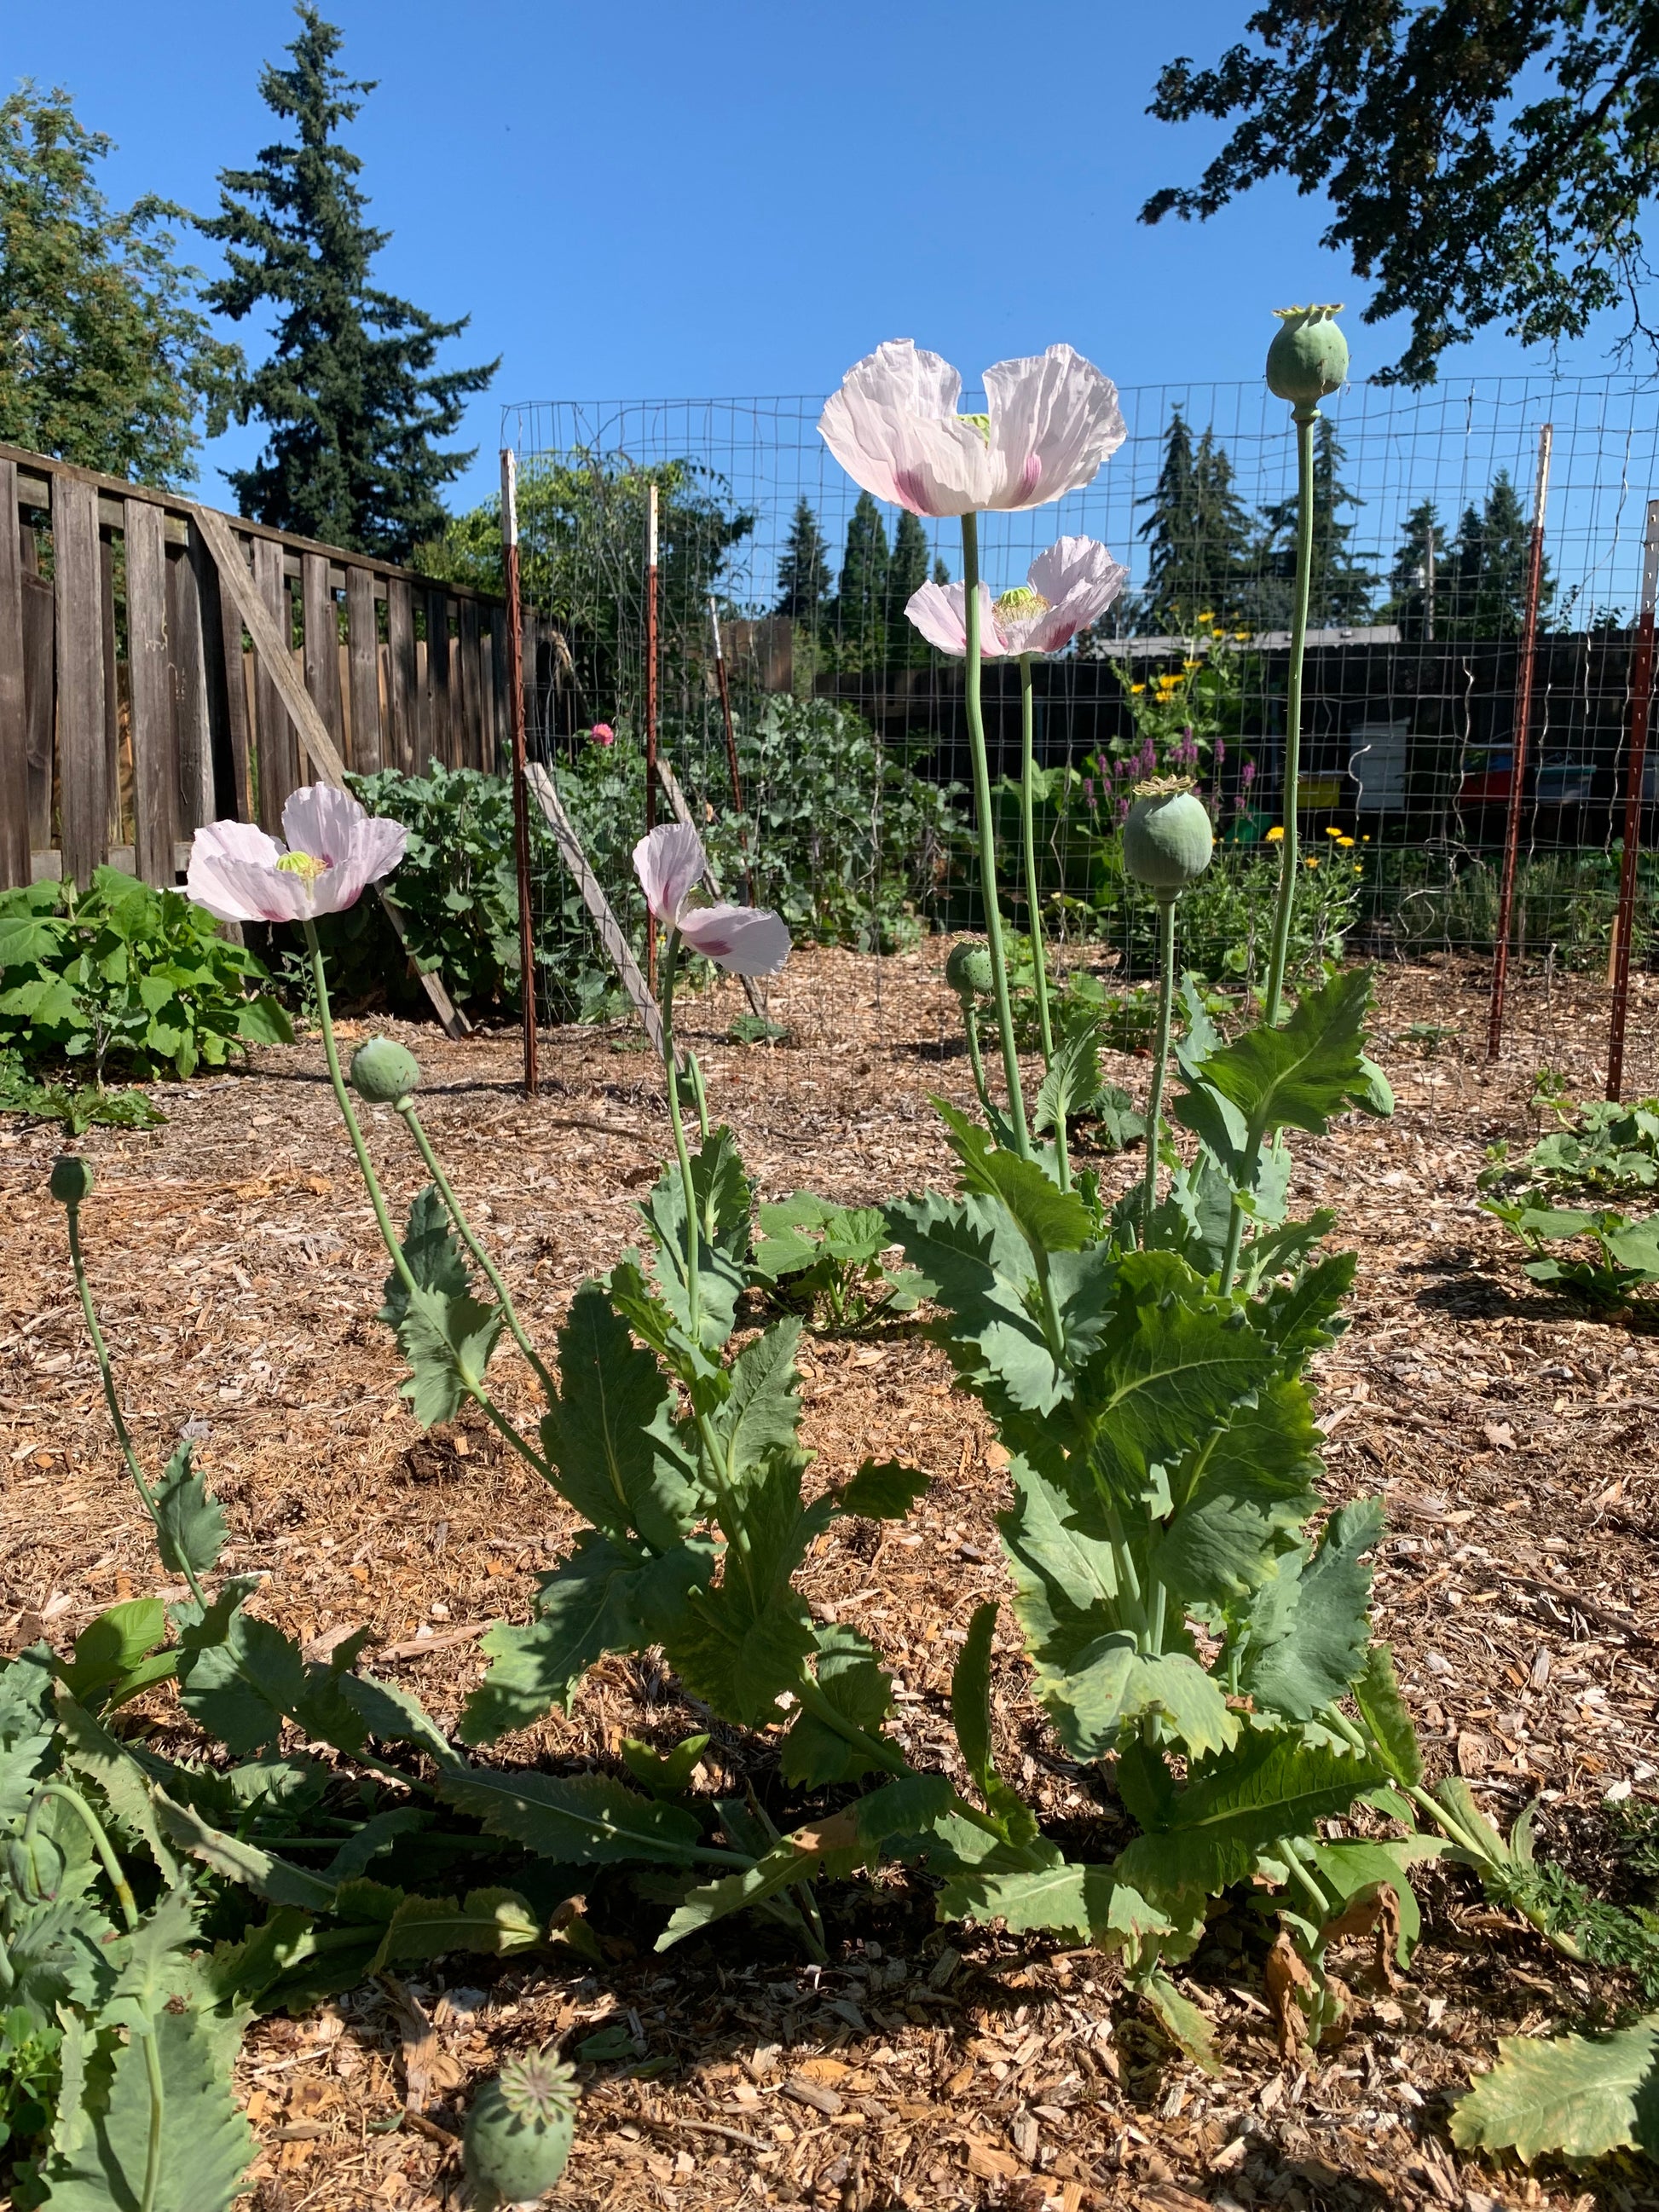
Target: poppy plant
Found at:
x=1067, y=591
x=749, y=940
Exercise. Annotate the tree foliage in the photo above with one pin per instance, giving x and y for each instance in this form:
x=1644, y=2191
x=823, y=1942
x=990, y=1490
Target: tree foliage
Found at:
x=1339, y=585
x=1198, y=535
x=105, y=359
x=1486, y=160
x=351, y=399
x=803, y=570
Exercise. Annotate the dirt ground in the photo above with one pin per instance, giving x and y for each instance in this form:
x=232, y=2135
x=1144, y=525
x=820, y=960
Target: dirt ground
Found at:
x=1511, y=1436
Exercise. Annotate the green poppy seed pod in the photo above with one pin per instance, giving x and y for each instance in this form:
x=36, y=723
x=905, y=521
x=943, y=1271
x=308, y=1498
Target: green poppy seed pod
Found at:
x=383, y=1072
x=1167, y=839
x=71, y=1179
x=968, y=970
x=1309, y=357
x=518, y=2132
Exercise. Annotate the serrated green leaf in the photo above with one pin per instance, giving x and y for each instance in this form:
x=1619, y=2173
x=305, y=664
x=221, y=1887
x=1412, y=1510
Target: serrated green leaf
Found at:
x=447, y=1342
x=262, y=1021
x=609, y=1435
x=853, y=1680
x=723, y=1196
x=238, y=1860
x=786, y=1863
x=586, y=1820
x=1328, y=1629
x=27, y=1688
x=1233, y=1499
x=970, y=1259
x=91, y=1750
x=1377, y=1694
x=434, y=1257
x=1576, y=2096
x=493, y=1922
x=1272, y=1785
x=1349, y=1868
x=1302, y=1318
x=190, y=1527
x=1301, y=1074
x=1182, y=2019
x=603, y=1597
x=760, y=1412
x=882, y=1490
x=100, y=2147
x=392, y=1715
x=1049, y=1219
x=1073, y=1081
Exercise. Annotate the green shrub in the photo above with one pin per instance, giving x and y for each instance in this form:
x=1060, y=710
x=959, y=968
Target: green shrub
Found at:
x=121, y=974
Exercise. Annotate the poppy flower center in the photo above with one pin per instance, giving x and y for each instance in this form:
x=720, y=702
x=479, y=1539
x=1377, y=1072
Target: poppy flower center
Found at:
x=306, y=864
x=981, y=423
x=1022, y=604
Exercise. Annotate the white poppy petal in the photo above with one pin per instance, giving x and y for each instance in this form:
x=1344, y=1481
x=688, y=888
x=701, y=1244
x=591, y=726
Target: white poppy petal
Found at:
x=748, y=940
x=1055, y=418
x=1080, y=580
x=894, y=428
x=232, y=873
x=320, y=819
x=939, y=611
x=668, y=864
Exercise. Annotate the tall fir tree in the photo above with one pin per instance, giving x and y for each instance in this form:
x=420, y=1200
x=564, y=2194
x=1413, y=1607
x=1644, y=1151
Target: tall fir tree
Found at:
x=1197, y=533
x=908, y=566
x=861, y=603
x=1419, y=575
x=1340, y=587
x=1487, y=571
x=353, y=404
x=803, y=570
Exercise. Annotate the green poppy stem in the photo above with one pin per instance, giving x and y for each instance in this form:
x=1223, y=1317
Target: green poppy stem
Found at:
x=1304, y=419
x=988, y=841
x=670, y=961
x=1028, y=827
x=1166, y=929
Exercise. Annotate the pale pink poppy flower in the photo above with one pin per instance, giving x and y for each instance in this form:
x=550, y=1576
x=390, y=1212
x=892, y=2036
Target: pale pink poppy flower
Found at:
x=749, y=940
x=335, y=850
x=1066, y=589
x=1050, y=421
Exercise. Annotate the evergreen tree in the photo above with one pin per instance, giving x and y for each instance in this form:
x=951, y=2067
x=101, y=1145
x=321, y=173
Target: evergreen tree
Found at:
x=861, y=603
x=804, y=571
x=1487, y=571
x=941, y=572
x=1198, y=535
x=907, y=572
x=352, y=402
x=1408, y=600
x=104, y=359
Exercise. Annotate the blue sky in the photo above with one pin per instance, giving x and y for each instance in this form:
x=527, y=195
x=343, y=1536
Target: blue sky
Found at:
x=662, y=200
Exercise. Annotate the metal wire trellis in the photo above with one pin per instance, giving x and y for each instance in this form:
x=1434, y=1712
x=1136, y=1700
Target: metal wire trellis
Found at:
x=1409, y=747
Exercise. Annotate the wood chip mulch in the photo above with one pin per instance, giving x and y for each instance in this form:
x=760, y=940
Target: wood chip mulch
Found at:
x=1511, y=1435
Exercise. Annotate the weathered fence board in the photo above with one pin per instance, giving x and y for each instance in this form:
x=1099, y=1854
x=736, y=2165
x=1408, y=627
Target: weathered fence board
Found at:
x=322, y=647
x=192, y=734
x=438, y=687
x=279, y=765
x=39, y=629
x=155, y=782
x=83, y=775
x=363, y=648
x=13, y=701
x=401, y=679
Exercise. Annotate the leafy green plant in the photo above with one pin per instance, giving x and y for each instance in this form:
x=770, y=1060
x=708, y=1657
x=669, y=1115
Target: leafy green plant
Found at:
x=827, y=1259
x=120, y=973
x=78, y=1106
x=1623, y=1257
x=1600, y=1149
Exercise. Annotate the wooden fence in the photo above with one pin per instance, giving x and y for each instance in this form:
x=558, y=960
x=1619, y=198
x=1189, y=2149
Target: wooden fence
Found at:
x=133, y=708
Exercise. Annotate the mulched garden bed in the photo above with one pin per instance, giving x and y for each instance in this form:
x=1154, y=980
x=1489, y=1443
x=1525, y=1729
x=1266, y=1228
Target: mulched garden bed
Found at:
x=1512, y=1436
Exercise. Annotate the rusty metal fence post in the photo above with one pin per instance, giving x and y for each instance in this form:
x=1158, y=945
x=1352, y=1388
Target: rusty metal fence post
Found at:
x=520, y=796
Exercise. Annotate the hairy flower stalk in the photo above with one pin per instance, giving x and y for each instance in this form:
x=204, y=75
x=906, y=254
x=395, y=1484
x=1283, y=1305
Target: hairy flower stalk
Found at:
x=988, y=841
x=1167, y=844
x=1027, y=831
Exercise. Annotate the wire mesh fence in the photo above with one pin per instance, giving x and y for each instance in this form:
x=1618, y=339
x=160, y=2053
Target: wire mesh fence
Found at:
x=849, y=734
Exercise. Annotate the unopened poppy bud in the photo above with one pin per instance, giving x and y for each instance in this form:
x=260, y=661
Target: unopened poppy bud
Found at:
x=383, y=1072
x=1167, y=838
x=1309, y=357
x=968, y=970
x=71, y=1179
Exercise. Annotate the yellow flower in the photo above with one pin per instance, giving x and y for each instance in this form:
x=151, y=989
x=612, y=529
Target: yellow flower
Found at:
x=1312, y=861
x=1331, y=829
x=1192, y=664
x=1276, y=833
x=1206, y=617
x=1243, y=636
x=1137, y=687
x=1344, y=841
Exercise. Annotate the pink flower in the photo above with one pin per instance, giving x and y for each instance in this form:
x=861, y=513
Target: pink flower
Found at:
x=602, y=734
x=1089, y=791
x=1050, y=422
x=335, y=850
x=749, y=940
x=1067, y=588
x=1247, y=773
